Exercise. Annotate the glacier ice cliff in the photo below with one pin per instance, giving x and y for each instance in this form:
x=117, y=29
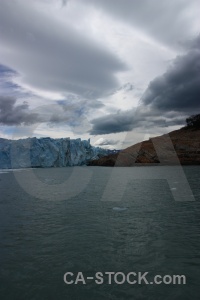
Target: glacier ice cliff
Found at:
x=47, y=152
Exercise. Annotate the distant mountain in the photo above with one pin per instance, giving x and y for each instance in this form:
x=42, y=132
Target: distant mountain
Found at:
x=179, y=146
x=47, y=152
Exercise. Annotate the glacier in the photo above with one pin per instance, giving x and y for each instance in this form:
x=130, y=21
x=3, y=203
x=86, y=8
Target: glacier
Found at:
x=47, y=152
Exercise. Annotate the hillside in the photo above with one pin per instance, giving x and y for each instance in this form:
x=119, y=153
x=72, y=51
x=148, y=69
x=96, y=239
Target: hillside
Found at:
x=179, y=146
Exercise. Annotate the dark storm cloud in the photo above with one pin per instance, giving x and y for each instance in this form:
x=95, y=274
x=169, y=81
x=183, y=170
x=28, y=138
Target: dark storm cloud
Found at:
x=167, y=101
x=179, y=88
x=12, y=114
x=139, y=117
x=167, y=21
x=113, y=123
x=53, y=57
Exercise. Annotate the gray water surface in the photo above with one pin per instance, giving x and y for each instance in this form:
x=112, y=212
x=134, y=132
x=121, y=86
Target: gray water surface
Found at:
x=47, y=229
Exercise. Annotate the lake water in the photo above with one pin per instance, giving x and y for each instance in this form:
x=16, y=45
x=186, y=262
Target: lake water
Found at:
x=95, y=219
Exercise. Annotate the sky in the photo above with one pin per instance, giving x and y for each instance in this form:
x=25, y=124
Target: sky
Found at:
x=114, y=71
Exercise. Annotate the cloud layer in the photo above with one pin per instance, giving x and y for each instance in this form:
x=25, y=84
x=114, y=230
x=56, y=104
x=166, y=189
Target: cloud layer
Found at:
x=11, y=114
x=166, y=101
x=66, y=112
x=178, y=89
x=53, y=56
x=168, y=22
x=98, y=67
x=106, y=142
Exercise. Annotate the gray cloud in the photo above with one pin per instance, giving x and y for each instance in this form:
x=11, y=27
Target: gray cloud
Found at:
x=179, y=88
x=167, y=21
x=50, y=55
x=54, y=57
x=139, y=117
x=64, y=2
x=113, y=123
x=106, y=142
x=72, y=114
x=167, y=101
x=12, y=114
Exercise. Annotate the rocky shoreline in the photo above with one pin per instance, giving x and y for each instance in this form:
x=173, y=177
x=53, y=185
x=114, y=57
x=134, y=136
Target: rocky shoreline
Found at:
x=178, y=147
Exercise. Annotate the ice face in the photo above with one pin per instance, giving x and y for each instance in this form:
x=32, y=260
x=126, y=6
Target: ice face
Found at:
x=47, y=152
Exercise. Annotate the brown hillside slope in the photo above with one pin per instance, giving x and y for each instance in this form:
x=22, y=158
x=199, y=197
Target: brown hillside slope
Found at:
x=179, y=146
